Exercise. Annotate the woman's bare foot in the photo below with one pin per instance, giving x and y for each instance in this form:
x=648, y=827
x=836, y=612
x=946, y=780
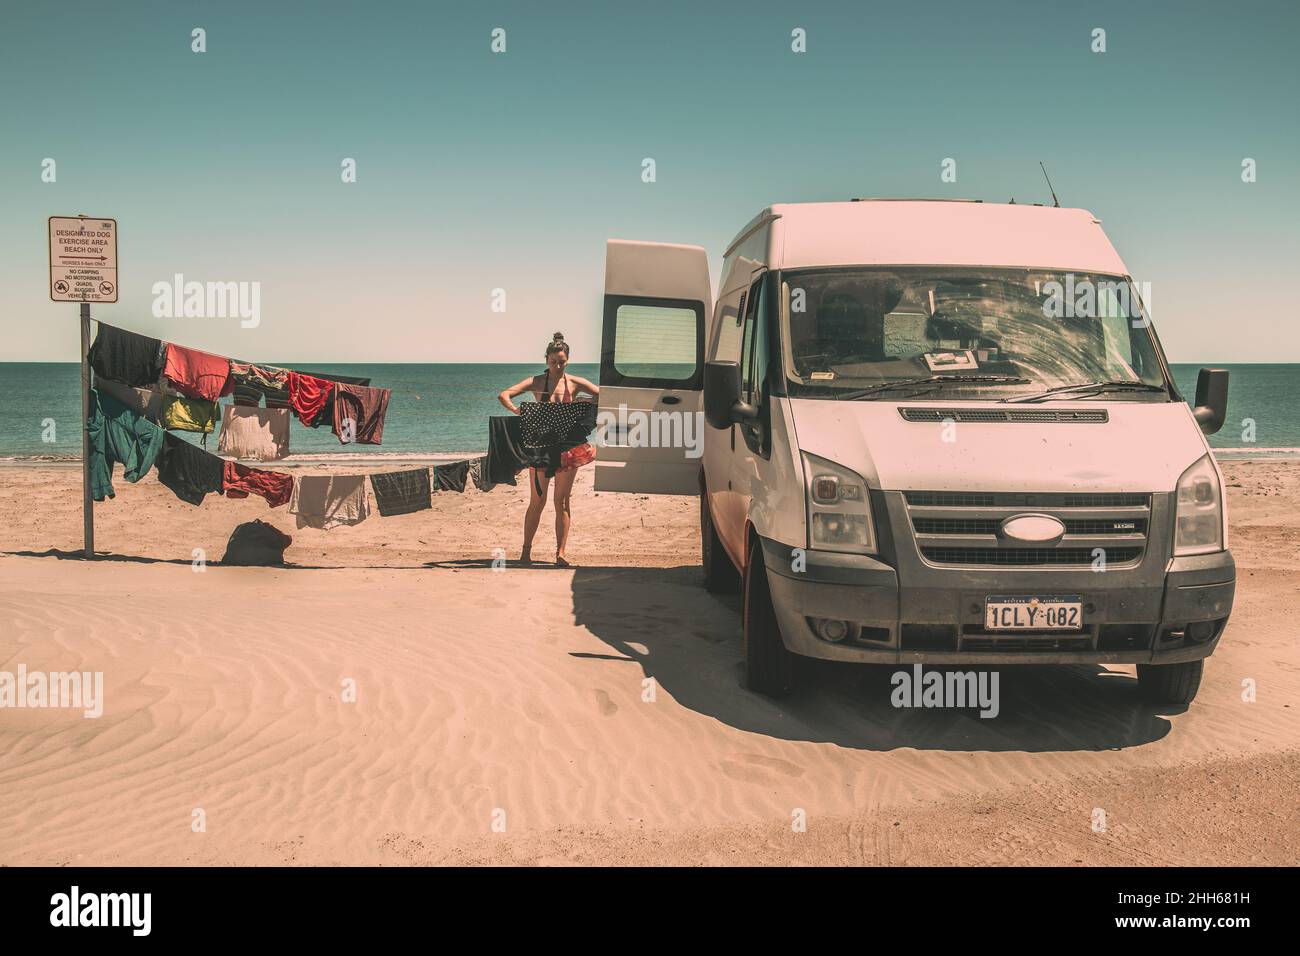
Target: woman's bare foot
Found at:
x=562, y=562
x=526, y=556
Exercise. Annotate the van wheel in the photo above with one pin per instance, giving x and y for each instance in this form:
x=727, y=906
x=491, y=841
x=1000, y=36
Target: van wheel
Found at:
x=768, y=665
x=720, y=575
x=1170, y=683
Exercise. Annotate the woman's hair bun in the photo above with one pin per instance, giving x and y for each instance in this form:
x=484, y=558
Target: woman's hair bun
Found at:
x=557, y=337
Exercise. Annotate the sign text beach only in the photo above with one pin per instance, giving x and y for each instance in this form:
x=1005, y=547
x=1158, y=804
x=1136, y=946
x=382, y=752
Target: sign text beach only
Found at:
x=83, y=259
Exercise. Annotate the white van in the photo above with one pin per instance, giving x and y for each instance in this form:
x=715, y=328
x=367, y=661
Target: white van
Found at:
x=938, y=432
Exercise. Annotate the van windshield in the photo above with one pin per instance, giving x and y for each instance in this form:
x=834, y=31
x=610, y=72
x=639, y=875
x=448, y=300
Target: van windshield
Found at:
x=985, y=333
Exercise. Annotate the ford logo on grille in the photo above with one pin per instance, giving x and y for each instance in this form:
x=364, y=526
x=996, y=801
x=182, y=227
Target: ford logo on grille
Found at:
x=1032, y=529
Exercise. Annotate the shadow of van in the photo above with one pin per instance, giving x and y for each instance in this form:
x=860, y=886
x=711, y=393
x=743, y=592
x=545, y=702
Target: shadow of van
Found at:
x=689, y=641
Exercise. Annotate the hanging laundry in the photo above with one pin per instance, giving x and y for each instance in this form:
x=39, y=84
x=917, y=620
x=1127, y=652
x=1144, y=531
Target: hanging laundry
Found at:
x=143, y=401
x=359, y=413
x=505, y=457
x=189, y=471
x=254, y=381
x=117, y=433
x=401, y=492
x=326, y=415
x=126, y=357
x=479, y=474
x=197, y=374
x=551, y=428
x=256, y=434
x=238, y=481
x=450, y=476
x=329, y=501
x=248, y=396
x=188, y=414
x=149, y=402
x=262, y=376
x=279, y=397
x=308, y=395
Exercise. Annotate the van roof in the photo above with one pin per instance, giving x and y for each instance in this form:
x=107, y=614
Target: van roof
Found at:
x=935, y=232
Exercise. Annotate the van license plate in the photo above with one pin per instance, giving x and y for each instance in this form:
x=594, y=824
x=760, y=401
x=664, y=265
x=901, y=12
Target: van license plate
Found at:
x=1051, y=612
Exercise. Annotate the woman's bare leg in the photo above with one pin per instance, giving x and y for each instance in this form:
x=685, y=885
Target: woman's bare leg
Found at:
x=536, y=502
x=563, y=488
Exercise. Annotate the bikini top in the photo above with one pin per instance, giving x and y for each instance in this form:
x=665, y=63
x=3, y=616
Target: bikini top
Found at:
x=564, y=380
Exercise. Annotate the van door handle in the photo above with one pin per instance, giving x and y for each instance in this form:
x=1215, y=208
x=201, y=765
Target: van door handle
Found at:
x=670, y=400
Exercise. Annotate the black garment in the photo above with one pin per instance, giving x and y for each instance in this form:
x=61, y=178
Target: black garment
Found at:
x=256, y=544
x=451, y=476
x=326, y=414
x=126, y=357
x=250, y=395
x=188, y=470
x=401, y=492
x=552, y=427
x=505, y=457
x=478, y=473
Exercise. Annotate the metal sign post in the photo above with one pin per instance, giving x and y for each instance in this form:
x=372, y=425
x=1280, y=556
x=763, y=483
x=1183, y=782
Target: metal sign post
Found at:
x=83, y=268
x=87, y=506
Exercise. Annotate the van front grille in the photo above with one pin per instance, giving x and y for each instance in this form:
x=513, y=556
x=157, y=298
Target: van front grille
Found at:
x=963, y=529
x=1027, y=557
x=984, y=499
x=1094, y=526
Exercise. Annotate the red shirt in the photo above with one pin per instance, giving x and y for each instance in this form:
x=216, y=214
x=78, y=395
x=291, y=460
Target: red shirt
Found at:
x=237, y=481
x=307, y=395
x=198, y=374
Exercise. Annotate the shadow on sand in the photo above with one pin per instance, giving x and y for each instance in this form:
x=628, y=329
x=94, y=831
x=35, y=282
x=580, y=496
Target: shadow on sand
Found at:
x=111, y=556
x=690, y=642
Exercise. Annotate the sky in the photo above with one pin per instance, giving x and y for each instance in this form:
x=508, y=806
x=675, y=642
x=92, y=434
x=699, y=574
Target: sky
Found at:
x=478, y=171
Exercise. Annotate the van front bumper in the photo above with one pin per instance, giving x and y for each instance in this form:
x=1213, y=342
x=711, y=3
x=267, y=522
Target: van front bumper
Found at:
x=1136, y=616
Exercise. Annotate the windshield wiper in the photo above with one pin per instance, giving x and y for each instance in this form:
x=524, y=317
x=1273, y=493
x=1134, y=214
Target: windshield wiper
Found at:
x=934, y=381
x=1089, y=387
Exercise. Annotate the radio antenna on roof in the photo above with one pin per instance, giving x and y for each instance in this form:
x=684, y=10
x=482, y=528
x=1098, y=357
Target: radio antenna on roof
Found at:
x=1055, y=202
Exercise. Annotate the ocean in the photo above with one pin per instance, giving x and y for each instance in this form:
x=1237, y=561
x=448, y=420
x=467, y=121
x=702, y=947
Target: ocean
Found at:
x=443, y=409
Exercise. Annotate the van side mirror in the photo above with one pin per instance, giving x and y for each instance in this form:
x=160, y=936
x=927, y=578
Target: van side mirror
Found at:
x=1211, y=409
x=722, y=404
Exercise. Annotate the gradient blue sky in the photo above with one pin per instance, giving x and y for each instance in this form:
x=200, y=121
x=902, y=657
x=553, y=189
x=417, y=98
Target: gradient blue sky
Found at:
x=478, y=171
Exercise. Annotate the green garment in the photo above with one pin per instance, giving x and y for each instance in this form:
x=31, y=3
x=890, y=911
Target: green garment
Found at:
x=118, y=434
x=189, y=414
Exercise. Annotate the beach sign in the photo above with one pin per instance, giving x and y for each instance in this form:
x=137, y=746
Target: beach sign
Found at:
x=83, y=259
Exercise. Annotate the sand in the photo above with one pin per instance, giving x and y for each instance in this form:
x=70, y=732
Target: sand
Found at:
x=590, y=715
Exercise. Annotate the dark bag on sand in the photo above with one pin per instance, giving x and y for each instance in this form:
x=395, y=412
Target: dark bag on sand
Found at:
x=256, y=544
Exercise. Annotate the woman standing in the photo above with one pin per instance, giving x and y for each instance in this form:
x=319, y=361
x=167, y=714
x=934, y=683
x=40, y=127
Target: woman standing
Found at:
x=553, y=385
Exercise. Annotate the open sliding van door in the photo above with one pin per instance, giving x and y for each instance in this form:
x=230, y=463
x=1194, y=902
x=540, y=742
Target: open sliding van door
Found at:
x=657, y=299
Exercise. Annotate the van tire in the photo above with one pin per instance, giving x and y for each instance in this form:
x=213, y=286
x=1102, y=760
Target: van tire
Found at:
x=1170, y=683
x=720, y=575
x=769, y=667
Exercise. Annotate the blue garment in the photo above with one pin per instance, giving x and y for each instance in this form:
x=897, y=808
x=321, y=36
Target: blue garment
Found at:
x=118, y=434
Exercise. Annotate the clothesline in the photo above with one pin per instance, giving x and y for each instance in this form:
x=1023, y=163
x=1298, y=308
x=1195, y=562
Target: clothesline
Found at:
x=133, y=417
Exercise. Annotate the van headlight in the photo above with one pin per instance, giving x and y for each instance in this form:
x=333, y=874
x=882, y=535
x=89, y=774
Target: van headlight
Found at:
x=1199, y=527
x=839, y=509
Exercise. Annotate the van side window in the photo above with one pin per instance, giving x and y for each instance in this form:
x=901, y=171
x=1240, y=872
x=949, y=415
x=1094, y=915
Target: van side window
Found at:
x=730, y=328
x=758, y=375
x=753, y=305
